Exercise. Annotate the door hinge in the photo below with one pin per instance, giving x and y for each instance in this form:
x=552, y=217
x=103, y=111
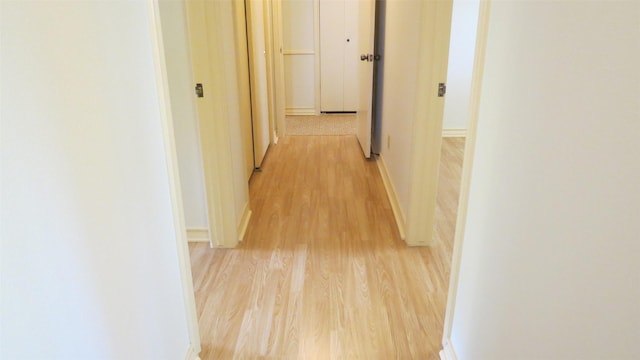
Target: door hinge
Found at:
x=199, y=90
x=442, y=89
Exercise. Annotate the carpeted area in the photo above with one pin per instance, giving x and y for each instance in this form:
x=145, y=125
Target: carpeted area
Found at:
x=331, y=124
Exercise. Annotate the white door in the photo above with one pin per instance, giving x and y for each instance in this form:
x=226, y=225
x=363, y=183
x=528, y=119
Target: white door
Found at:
x=258, y=75
x=339, y=57
x=351, y=60
x=244, y=90
x=366, y=30
x=332, y=39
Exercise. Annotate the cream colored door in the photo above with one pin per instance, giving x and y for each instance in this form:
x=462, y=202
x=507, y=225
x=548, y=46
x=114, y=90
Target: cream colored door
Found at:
x=427, y=129
x=205, y=105
x=219, y=121
x=244, y=93
x=258, y=75
x=339, y=55
x=366, y=31
x=206, y=21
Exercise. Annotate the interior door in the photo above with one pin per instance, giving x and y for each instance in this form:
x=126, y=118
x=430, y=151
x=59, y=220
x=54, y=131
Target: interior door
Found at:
x=366, y=31
x=199, y=34
x=258, y=75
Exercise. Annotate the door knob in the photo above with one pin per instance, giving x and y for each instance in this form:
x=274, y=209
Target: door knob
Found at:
x=366, y=57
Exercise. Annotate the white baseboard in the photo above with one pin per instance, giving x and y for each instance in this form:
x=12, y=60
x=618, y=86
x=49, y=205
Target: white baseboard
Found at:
x=393, y=196
x=244, y=221
x=454, y=132
x=448, y=353
x=191, y=354
x=198, y=235
x=300, y=111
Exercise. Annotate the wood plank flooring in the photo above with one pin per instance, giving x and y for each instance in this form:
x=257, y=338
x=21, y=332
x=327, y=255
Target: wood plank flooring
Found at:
x=322, y=272
x=325, y=124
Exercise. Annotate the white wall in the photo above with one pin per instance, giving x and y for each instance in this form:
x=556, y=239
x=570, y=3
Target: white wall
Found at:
x=185, y=121
x=398, y=100
x=299, y=46
x=462, y=46
x=549, y=266
x=89, y=261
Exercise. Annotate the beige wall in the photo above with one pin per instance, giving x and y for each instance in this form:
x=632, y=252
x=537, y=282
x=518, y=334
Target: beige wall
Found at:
x=462, y=47
x=185, y=121
x=89, y=262
x=398, y=100
x=549, y=266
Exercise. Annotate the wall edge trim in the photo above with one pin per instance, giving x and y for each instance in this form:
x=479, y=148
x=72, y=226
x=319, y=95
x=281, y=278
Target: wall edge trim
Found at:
x=244, y=221
x=198, y=235
x=454, y=132
x=298, y=52
x=300, y=111
x=191, y=354
x=392, y=196
x=448, y=352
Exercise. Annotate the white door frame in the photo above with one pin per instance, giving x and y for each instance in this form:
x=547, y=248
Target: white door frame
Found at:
x=448, y=352
x=174, y=182
x=221, y=175
x=316, y=56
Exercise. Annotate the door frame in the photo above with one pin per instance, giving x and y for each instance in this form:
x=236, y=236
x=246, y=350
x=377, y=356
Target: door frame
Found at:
x=316, y=56
x=171, y=157
x=448, y=352
x=224, y=168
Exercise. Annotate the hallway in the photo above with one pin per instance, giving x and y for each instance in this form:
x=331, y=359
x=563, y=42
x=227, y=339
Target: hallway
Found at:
x=322, y=272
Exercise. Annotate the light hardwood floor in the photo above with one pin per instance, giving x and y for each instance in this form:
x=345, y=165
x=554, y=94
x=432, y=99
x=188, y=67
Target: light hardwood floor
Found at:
x=322, y=272
x=325, y=124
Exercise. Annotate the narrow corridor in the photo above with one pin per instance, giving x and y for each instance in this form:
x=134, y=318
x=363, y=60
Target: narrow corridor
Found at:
x=322, y=272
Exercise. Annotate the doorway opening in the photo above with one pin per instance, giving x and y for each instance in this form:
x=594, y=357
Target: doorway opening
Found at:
x=392, y=139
